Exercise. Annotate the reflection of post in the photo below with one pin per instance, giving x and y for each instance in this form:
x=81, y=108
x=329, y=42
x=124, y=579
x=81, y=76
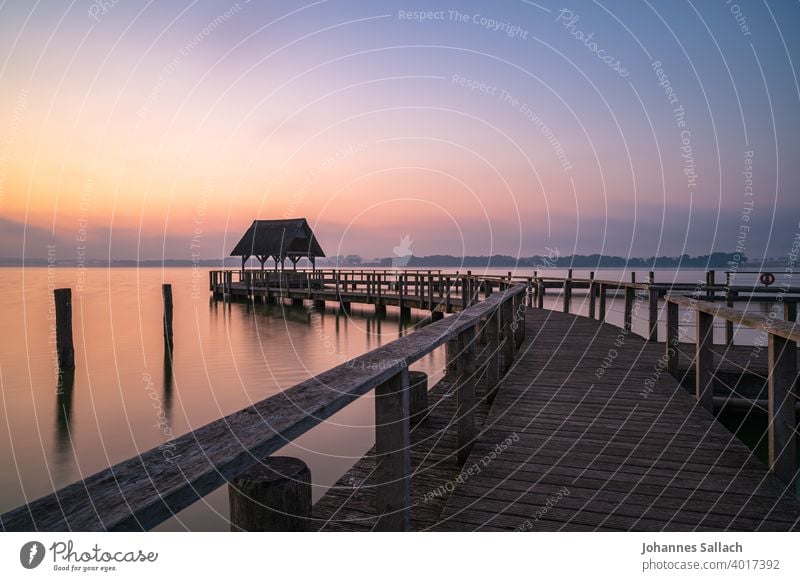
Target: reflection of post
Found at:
x=66, y=352
x=166, y=293
x=168, y=383
x=64, y=389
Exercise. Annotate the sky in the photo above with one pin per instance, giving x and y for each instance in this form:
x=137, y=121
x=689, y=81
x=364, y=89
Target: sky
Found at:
x=162, y=129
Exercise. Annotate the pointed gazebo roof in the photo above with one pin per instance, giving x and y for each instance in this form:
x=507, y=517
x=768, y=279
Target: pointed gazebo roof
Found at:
x=279, y=240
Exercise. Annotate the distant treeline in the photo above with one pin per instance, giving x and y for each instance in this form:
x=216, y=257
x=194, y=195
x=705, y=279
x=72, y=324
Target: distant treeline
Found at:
x=715, y=260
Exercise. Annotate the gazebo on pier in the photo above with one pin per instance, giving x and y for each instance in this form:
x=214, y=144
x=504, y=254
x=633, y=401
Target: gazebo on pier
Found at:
x=279, y=240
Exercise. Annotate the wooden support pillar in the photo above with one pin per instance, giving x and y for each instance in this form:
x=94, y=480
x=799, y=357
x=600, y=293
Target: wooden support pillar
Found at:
x=592, y=293
x=273, y=496
x=166, y=295
x=393, y=454
x=782, y=366
x=380, y=309
x=64, y=345
x=417, y=396
x=319, y=305
x=296, y=302
x=704, y=361
x=465, y=393
x=437, y=315
x=448, y=308
x=540, y=295
x=405, y=312
x=652, y=295
x=602, y=300
x=673, y=339
x=345, y=307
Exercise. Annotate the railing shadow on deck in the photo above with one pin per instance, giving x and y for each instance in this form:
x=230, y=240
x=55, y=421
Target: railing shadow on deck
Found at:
x=144, y=491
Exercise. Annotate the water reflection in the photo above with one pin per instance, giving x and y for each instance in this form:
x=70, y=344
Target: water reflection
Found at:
x=65, y=387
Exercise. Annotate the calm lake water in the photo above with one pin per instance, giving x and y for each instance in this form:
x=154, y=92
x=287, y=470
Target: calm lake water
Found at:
x=125, y=398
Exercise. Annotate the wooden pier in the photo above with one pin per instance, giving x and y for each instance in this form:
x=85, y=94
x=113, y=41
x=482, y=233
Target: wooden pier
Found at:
x=545, y=420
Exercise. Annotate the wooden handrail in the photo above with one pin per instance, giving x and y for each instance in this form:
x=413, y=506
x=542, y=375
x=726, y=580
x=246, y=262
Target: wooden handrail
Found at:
x=778, y=327
x=144, y=491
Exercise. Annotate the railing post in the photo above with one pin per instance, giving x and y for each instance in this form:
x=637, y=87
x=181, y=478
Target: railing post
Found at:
x=447, y=305
x=704, y=361
x=540, y=295
x=729, y=324
x=629, y=296
x=493, y=328
x=518, y=320
x=507, y=316
x=673, y=339
x=430, y=292
x=417, y=396
x=592, y=290
x=465, y=393
x=652, y=313
x=393, y=455
x=602, y=306
x=567, y=292
x=782, y=361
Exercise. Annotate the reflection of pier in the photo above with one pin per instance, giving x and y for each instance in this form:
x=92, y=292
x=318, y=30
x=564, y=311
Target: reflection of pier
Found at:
x=524, y=419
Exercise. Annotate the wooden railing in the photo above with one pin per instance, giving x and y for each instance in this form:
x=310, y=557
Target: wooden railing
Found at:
x=146, y=490
x=781, y=367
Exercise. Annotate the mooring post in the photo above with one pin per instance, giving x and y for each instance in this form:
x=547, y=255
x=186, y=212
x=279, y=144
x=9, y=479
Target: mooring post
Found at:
x=782, y=362
x=393, y=454
x=704, y=361
x=465, y=393
x=66, y=351
x=671, y=354
x=275, y=495
x=602, y=306
x=166, y=295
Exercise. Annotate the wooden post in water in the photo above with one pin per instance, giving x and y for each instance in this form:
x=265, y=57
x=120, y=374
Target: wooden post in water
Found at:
x=166, y=295
x=66, y=351
x=673, y=339
x=417, y=396
x=704, y=361
x=273, y=496
x=393, y=454
x=465, y=393
x=782, y=366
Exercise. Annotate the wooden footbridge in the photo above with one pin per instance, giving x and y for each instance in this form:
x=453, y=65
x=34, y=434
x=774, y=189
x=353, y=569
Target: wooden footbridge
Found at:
x=545, y=420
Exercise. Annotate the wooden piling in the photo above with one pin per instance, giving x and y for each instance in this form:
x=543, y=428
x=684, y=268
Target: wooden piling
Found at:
x=652, y=311
x=602, y=306
x=567, y=293
x=592, y=293
x=273, y=496
x=64, y=345
x=166, y=295
x=629, y=298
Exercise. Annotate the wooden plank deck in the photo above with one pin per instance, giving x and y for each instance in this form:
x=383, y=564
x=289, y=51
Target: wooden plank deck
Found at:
x=564, y=447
